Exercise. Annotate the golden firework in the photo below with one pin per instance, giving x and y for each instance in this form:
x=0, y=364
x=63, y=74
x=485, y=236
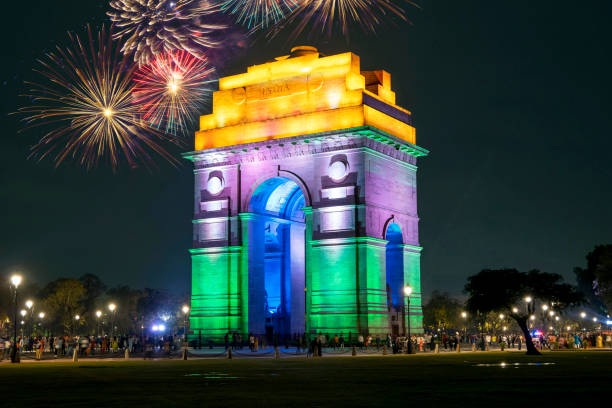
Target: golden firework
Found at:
x=87, y=106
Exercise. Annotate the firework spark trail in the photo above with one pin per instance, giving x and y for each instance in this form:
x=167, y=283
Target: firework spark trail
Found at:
x=258, y=13
x=156, y=26
x=172, y=89
x=326, y=15
x=86, y=100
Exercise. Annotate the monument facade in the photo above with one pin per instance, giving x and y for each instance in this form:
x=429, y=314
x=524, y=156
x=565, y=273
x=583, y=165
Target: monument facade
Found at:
x=305, y=205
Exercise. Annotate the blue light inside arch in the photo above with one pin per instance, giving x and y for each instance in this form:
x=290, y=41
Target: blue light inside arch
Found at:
x=279, y=197
x=394, y=234
x=395, y=264
x=282, y=198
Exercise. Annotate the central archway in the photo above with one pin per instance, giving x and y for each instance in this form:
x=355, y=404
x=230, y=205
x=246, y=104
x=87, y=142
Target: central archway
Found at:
x=394, y=255
x=278, y=203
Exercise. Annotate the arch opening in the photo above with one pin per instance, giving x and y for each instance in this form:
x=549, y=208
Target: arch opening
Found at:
x=279, y=202
x=395, y=276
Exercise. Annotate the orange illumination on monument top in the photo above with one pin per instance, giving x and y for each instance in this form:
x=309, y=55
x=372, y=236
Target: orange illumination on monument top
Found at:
x=301, y=94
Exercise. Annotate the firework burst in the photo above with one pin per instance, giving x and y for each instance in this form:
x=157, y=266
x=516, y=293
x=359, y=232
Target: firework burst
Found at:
x=258, y=13
x=86, y=101
x=156, y=26
x=172, y=89
x=326, y=16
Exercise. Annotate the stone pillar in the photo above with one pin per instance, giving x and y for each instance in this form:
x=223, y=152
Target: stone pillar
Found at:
x=215, y=295
x=307, y=268
x=252, y=274
x=412, y=277
x=297, y=281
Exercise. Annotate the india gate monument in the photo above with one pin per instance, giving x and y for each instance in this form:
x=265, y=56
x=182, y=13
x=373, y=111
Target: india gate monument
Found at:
x=305, y=205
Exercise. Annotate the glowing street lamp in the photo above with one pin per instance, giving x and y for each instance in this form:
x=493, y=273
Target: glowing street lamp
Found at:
x=501, y=316
x=41, y=315
x=408, y=292
x=112, y=307
x=29, y=304
x=98, y=314
x=515, y=310
x=23, y=312
x=76, y=320
x=544, y=307
x=532, y=317
x=15, y=281
x=464, y=316
x=185, y=313
x=582, y=314
x=528, y=299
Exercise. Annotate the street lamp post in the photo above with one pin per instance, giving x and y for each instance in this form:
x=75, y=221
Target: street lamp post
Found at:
x=76, y=321
x=464, y=316
x=112, y=307
x=15, y=281
x=29, y=304
x=408, y=292
x=98, y=314
x=23, y=314
x=185, y=313
x=41, y=316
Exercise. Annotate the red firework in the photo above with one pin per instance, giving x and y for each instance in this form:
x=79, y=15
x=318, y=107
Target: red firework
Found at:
x=172, y=90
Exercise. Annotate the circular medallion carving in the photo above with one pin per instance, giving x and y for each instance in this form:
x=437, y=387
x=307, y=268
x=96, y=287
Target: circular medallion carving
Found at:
x=238, y=95
x=338, y=170
x=215, y=185
x=315, y=81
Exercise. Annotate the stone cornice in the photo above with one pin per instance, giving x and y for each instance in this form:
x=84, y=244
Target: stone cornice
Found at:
x=365, y=137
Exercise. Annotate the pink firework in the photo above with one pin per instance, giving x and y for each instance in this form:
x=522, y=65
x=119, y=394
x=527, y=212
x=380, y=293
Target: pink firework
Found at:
x=172, y=90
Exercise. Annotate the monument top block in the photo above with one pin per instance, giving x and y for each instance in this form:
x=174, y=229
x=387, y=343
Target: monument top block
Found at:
x=299, y=94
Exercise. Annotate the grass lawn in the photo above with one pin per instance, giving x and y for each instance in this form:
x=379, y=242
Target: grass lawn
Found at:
x=453, y=380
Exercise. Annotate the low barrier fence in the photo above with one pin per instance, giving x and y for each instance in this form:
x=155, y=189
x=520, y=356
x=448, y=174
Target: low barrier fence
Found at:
x=231, y=353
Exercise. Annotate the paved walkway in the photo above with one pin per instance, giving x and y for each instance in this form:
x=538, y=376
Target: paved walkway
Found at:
x=221, y=353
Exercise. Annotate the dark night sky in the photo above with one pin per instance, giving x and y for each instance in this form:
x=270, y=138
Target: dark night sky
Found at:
x=511, y=97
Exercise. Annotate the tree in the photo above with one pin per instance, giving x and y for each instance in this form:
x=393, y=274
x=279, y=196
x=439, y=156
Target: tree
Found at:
x=94, y=293
x=596, y=280
x=63, y=302
x=158, y=304
x=126, y=318
x=442, y=312
x=94, y=288
x=516, y=293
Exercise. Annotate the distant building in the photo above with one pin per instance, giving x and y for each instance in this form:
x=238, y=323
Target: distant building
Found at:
x=305, y=206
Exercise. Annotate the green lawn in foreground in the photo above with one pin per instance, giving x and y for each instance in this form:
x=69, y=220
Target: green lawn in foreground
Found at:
x=451, y=380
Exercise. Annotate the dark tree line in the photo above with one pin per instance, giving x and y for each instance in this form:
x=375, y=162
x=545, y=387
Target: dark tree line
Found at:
x=58, y=303
x=501, y=296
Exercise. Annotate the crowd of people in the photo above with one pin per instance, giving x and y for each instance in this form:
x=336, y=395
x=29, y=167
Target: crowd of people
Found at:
x=420, y=342
x=61, y=346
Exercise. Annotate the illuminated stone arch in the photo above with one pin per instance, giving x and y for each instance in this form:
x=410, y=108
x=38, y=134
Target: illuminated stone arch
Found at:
x=278, y=173
x=276, y=270
x=351, y=152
